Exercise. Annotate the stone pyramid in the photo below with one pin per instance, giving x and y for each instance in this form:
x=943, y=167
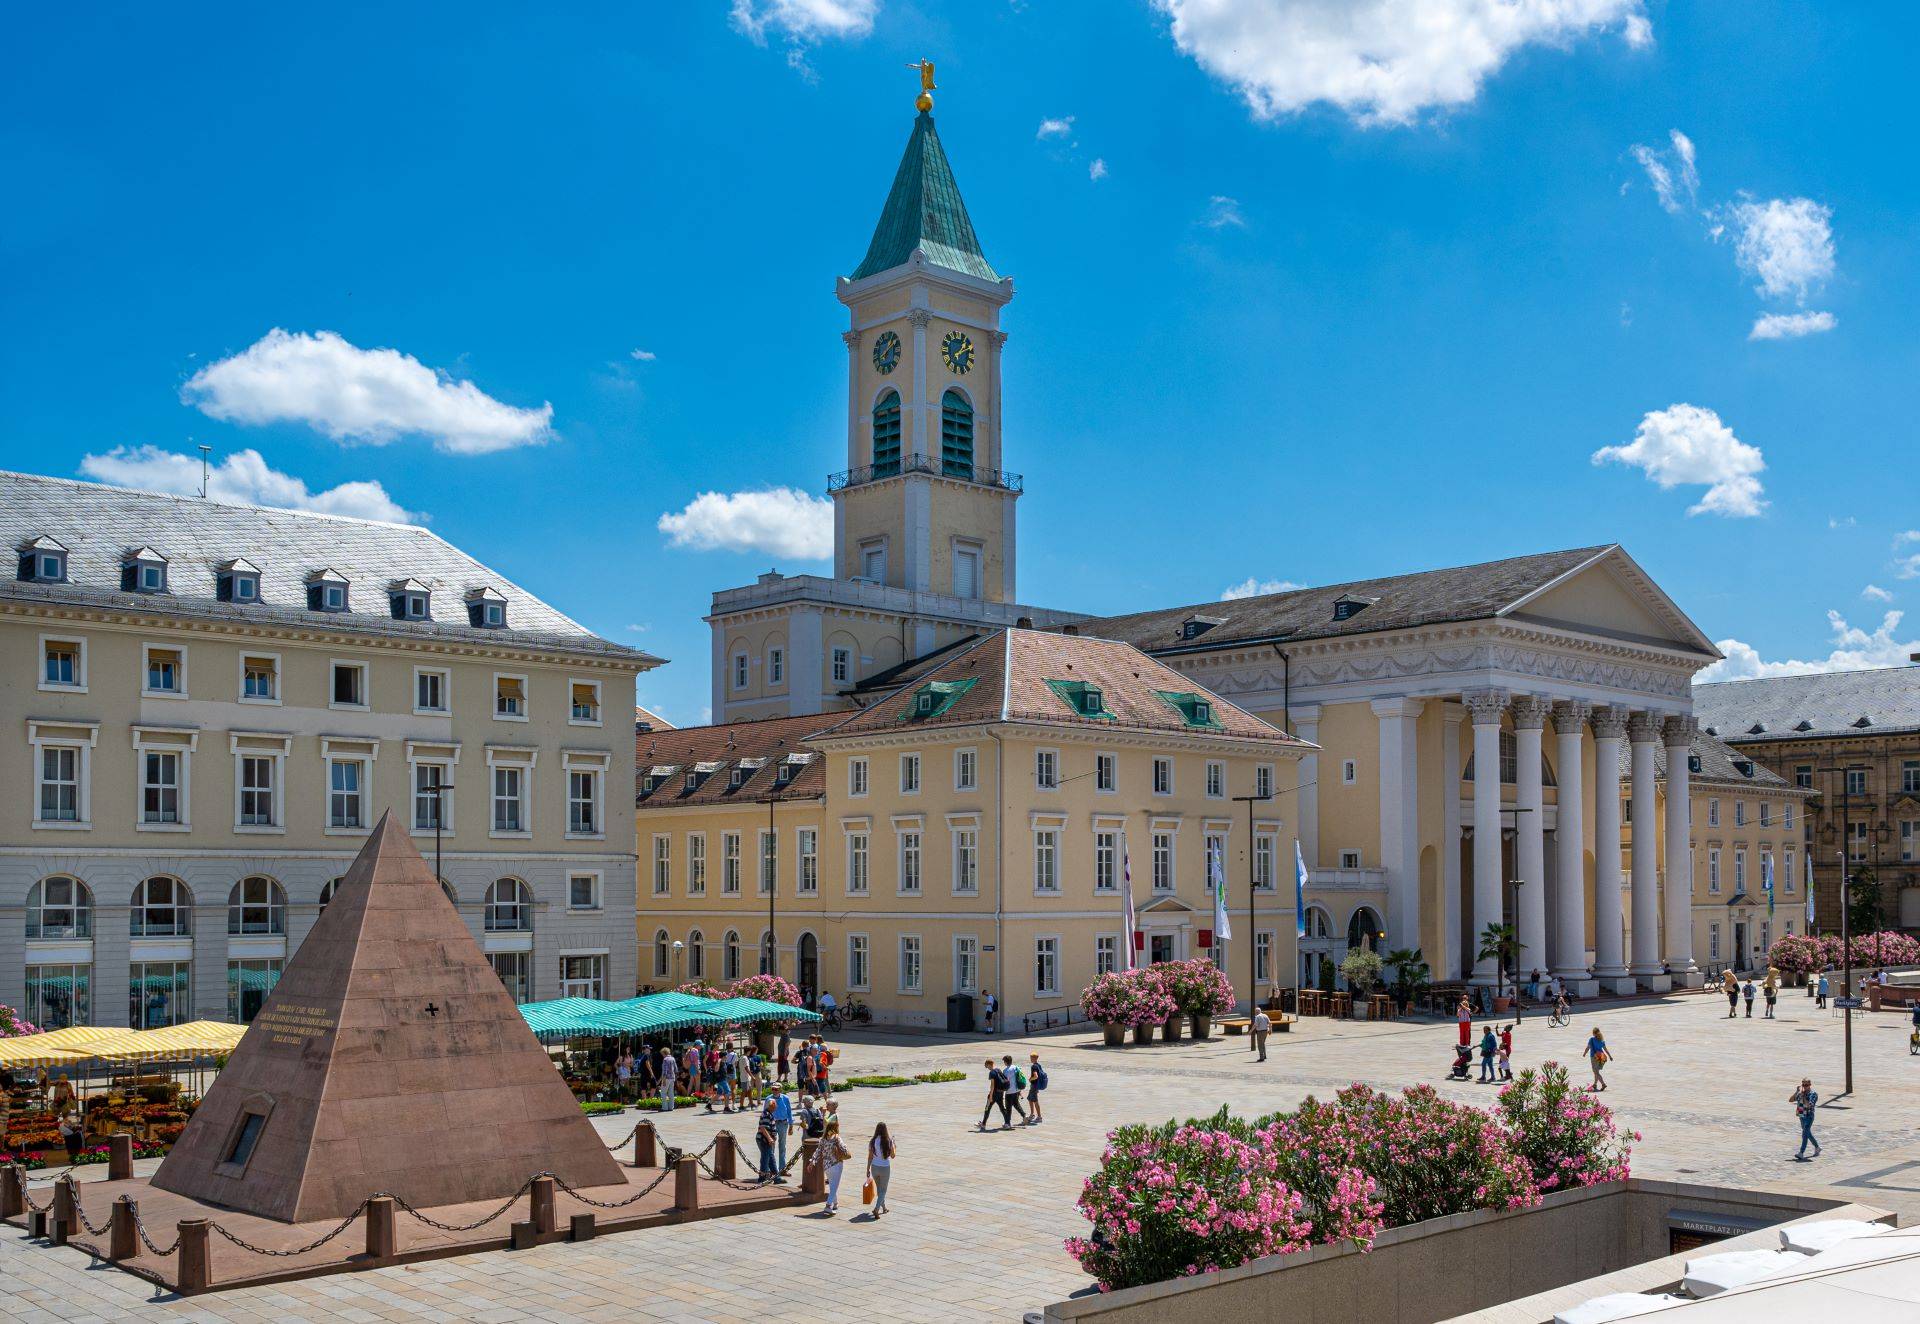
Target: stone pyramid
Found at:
x=389, y=1058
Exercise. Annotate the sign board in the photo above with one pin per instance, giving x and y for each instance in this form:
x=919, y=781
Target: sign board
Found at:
x=987, y=948
x=1848, y=1004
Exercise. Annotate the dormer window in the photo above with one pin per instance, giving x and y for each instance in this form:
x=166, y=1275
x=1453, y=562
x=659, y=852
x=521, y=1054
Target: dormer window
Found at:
x=1863, y=722
x=1744, y=767
x=43, y=561
x=1693, y=763
x=924, y=703
x=144, y=571
x=935, y=698
x=410, y=600
x=1197, y=709
x=327, y=591
x=1349, y=605
x=1202, y=713
x=237, y=580
x=1756, y=728
x=1195, y=626
x=486, y=609
x=1086, y=700
x=736, y=779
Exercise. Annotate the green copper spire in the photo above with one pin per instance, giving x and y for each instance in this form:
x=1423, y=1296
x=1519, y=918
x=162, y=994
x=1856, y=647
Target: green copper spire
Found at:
x=924, y=211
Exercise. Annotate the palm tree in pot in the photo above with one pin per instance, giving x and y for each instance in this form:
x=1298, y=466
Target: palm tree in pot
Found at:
x=1410, y=974
x=1500, y=943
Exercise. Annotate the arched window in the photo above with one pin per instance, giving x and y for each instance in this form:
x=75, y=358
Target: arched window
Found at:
x=60, y=907
x=1364, y=930
x=327, y=889
x=661, y=956
x=509, y=907
x=956, y=436
x=886, y=435
x=730, y=960
x=257, y=905
x=1319, y=923
x=696, y=955
x=162, y=908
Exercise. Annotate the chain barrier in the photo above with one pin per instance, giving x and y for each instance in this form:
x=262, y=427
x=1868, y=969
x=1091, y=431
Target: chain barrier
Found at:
x=139, y=1225
x=27, y=1196
x=729, y=1182
x=793, y=1160
x=510, y=1201
x=345, y=1223
x=635, y=1198
x=80, y=1212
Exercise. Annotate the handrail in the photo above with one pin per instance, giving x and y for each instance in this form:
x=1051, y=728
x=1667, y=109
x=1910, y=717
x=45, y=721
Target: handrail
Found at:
x=926, y=464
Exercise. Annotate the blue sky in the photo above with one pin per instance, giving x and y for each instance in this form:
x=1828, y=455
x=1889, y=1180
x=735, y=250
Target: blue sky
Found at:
x=1317, y=294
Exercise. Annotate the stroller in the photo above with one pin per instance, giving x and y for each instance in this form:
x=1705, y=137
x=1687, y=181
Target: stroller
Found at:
x=1462, y=1062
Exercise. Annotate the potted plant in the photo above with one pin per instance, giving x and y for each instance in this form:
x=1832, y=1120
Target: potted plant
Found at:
x=1200, y=990
x=1111, y=1000
x=1410, y=975
x=1361, y=967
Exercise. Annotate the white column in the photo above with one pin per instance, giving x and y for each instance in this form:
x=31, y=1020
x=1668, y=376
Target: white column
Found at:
x=1400, y=815
x=1609, y=951
x=806, y=662
x=1451, y=715
x=1529, y=837
x=1570, y=840
x=1677, y=733
x=1485, y=706
x=1305, y=719
x=1643, y=733
x=916, y=409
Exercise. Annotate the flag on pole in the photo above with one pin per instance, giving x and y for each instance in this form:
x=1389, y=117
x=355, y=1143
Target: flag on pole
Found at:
x=1126, y=906
x=1299, y=890
x=1766, y=881
x=1222, y=929
x=1809, y=894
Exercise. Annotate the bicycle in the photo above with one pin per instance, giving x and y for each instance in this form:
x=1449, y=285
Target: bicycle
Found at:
x=1561, y=1015
x=855, y=1012
x=830, y=1019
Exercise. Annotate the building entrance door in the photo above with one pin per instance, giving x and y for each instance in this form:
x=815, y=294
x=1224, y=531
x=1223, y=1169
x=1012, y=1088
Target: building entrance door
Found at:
x=1160, y=947
x=1740, y=961
x=809, y=969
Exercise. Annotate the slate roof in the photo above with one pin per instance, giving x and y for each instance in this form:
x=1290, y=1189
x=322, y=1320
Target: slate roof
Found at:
x=1010, y=671
x=1397, y=602
x=924, y=211
x=1719, y=763
x=1828, y=703
x=99, y=525
x=720, y=750
x=647, y=719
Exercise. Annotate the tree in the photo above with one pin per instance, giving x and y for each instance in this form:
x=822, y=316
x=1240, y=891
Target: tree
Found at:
x=1361, y=966
x=1410, y=973
x=1863, y=901
x=1500, y=943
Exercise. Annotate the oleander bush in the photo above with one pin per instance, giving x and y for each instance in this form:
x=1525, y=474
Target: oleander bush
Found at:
x=1564, y=1134
x=1198, y=986
x=767, y=988
x=1129, y=997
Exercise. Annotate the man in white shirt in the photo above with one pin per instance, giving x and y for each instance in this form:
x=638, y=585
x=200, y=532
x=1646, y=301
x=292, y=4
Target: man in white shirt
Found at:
x=986, y=997
x=1262, y=1024
x=827, y=1004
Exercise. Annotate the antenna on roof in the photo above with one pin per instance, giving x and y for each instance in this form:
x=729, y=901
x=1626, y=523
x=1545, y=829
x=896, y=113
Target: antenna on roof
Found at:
x=204, y=452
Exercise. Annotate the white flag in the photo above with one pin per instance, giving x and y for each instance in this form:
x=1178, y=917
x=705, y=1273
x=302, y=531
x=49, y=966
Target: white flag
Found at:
x=1222, y=928
x=1809, y=894
x=1126, y=907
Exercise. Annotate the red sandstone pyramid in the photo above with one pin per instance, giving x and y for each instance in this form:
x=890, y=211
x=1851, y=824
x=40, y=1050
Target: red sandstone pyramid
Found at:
x=389, y=1058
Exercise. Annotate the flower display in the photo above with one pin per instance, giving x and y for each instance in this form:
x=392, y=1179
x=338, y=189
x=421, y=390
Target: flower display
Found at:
x=700, y=988
x=1199, y=987
x=1562, y=1132
x=12, y=1025
x=1798, y=954
x=1130, y=998
x=767, y=988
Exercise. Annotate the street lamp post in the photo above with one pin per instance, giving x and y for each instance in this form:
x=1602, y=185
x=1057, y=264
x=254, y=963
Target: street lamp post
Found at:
x=770, y=870
x=1846, y=924
x=439, y=789
x=1253, y=928
x=1518, y=883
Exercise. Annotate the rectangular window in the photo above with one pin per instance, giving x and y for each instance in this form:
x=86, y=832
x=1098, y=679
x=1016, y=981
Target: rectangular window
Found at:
x=1739, y=813
x=157, y=994
x=1046, y=769
x=1713, y=870
x=583, y=802
x=966, y=965
x=858, y=974
x=1216, y=856
x=349, y=685
x=62, y=665
x=730, y=863
x=1787, y=874
x=160, y=786
x=59, y=784
x=1265, y=847
x=516, y=973
x=1263, y=958
x=509, y=800
x=584, y=708
x=1857, y=843
x=1910, y=775
x=910, y=864
x=1739, y=871
x=856, y=864
x=510, y=698
x=1106, y=776
x=873, y=562
x=583, y=891
x=166, y=671
x=910, y=964
x=739, y=671
x=346, y=780
x=1163, y=776
x=1713, y=813
x=1216, y=780
x=259, y=679
x=249, y=983
x=966, y=573
x=696, y=864
x=776, y=666
x=1106, y=954
x=1046, y=967
x=909, y=774
x=769, y=861
x=856, y=776
x=662, y=865
x=966, y=770
x=428, y=798
x=430, y=691
x=257, y=799
x=808, y=879
x=1046, y=861
x=1766, y=814
x=1106, y=861
x=583, y=977
x=1909, y=838
x=1349, y=859
x=1786, y=814
x=1856, y=781
x=1263, y=781
x=1350, y=772
x=1713, y=942
x=1163, y=861
x=966, y=860
x=842, y=665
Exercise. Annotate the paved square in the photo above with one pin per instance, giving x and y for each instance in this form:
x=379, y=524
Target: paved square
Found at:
x=979, y=1218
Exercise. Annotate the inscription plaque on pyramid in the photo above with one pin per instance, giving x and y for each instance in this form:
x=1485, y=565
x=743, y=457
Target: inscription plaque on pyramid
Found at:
x=388, y=1058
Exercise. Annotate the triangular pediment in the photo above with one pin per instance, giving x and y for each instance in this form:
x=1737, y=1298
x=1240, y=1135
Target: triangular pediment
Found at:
x=1167, y=904
x=1611, y=596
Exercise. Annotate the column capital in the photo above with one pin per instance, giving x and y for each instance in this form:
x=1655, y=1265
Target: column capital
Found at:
x=1570, y=715
x=853, y=339
x=1452, y=712
x=1643, y=728
x=997, y=338
x=1398, y=706
x=920, y=317
x=1677, y=732
x=1609, y=722
x=1529, y=712
x=1485, y=705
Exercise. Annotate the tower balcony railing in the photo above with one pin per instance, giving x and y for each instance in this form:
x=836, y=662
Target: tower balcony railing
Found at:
x=926, y=464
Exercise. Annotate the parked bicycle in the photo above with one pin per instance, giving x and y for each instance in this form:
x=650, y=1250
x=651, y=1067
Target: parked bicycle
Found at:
x=855, y=1012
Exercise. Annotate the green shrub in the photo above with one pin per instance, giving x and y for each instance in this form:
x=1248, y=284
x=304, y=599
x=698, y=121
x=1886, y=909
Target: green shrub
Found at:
x=653, y=1105
x=880, y=1082
x=939, y=1077
x=601, y=1109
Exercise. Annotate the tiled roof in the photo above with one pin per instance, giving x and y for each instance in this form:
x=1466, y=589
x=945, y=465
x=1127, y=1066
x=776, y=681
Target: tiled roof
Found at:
x=757, y=748
x=1827, y=703
x=924, y=212
x=1009, y=673
x=1426, y=597
x=650, y=720
x=1719, y=762
x=100, y=525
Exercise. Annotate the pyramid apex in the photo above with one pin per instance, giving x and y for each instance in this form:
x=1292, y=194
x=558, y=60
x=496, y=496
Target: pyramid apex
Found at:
x=924, y=214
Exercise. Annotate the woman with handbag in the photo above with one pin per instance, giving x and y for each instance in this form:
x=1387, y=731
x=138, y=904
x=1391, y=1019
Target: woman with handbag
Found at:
x=879, y=1168
x=835, y=1155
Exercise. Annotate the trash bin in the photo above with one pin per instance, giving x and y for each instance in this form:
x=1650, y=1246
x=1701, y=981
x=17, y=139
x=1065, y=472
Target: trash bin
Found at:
x=959, y=1013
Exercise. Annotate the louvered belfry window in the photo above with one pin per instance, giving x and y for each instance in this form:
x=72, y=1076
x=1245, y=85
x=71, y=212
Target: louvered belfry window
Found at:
x=956, y=436
x=886, y=435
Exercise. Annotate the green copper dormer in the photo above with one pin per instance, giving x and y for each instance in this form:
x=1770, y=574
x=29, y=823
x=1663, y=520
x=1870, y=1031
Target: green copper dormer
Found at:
x=934, y=698
x=924, y=211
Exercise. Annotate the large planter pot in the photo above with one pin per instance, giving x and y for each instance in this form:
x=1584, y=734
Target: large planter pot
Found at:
x=1502, y=1005
x=1116, y=1033
x=1202, y=1026
x=1143, y=1034
x=1170, y=1032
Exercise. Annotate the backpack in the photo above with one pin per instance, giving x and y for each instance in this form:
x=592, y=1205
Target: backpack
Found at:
x=1039, y=1076
x=826, y=1060
x=1019, y=1079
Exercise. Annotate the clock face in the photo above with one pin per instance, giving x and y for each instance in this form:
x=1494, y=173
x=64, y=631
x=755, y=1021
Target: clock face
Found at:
x=886, y=352
x=957, y=350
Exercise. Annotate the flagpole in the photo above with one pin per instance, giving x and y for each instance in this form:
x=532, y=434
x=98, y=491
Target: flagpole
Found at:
x=1253, y=918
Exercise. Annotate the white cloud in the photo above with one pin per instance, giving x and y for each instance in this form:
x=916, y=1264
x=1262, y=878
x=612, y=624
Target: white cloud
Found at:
x=1787, y=244
x=782, y=520
x=642, y=355
x=1251, y=587
x=1685, y=444
x=243, y=478
x=1676, y=186
x=1907, y=567
x=1381, y=62
x=803, y=20
x=1791, y=326
x=1841, y=521
x=359, y=395
x=1098, y=170
x=1223, y=213
x=1059, y=128
x=1854, y=649
x=1874, y=593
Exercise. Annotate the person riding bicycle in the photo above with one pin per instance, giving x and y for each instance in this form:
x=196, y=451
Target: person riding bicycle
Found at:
x=1561, y=1011
x=827, y=1005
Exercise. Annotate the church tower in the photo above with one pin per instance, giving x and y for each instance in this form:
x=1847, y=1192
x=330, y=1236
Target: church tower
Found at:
x=926, y=502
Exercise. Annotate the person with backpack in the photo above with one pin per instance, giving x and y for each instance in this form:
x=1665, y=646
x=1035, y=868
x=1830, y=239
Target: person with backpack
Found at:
x=996, y=1090
x=822, y=1060
x=803, y=1068
x=1747, y=990
x=1016, y=1086
x=1036, y=1081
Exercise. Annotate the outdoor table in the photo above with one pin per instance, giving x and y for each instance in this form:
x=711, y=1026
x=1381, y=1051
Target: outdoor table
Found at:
x=1310, y=1002
x=1342, y=1006
x=1380, y=1007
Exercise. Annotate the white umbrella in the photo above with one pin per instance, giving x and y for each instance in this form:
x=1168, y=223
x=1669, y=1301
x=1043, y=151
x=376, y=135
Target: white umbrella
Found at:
x=1616, y=1305
x=1711, y=1274
x=1812, y=1238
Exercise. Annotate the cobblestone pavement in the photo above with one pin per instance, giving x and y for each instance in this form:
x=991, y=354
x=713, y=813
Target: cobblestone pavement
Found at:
x=979, y=1218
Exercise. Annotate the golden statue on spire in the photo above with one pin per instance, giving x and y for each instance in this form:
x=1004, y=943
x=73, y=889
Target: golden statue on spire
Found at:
x=924, y=102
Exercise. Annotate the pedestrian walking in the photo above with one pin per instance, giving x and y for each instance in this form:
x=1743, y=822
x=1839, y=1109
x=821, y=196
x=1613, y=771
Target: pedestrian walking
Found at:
x=1732, y=988
x=1506, y=1052
x=1820, y=991
x=782, y=1127
x=1262, y=1027
x=835, y=1155
x=669, y=1081
x=822, y=1061
x=880, y=1166
x=990, y=1004
x=1016, y=1080
x=1747, y=991
x=1771, y=992
x=996, y=1087
x=1463, y=1014
x=786, y=1043
x=803, y=1067
x=1036, y=1081
x=764, y=1139
x=1597, y=1055
x=1804, y=1101
x=1488, y=1047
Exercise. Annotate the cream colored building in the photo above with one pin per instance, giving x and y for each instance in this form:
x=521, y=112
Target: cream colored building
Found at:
x=972, y=830
x=211, y=705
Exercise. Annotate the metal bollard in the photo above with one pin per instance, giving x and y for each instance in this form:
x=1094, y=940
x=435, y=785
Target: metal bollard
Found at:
x=63, y=1203
x=13, y=1199
x=724, y=1156
x=382, y=1233
x=120, y=1156
x=646, y=1148
x=686, y=1186
x=196, y=1255
x=544, y=1219
x=813, y=1174
x=123, y=1242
